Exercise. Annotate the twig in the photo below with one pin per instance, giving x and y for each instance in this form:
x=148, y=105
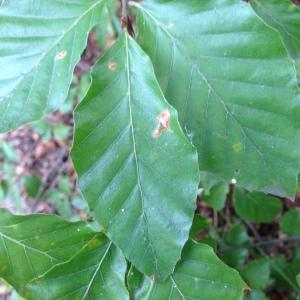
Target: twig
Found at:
x=125, y=21
x=124, y=4
x=59, y=168
x=264, y=243
x=262, y=252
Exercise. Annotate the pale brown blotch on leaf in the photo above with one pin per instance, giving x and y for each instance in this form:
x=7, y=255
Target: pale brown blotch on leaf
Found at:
x=61, y=55
x=112, y=66
x=163, y=123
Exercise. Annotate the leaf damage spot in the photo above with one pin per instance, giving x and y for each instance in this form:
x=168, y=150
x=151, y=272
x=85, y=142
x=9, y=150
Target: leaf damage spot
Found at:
x=112, y=66
x=163, y=123
x=38, y=280
x=61, y=55
x=170, y=25
x=93, y=243
x=152, y=277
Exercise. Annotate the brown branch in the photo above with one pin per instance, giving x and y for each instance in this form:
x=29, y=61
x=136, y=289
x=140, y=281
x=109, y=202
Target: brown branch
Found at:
x=125, y=20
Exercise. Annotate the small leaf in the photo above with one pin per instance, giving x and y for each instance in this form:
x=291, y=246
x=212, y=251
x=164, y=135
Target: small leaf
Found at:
x=255, y=206
x=32, y=185
x=282, y=15
x=290, y=223
x=200, y=275
x=9, y=152
x=97, y=272
x=30, y=245
x=237, y=235
x=256, y=295
x=40, y=46
x=257, y=274
x=298, y=279
x=216, y=196
x=199, y=224
x=235, y=257
x=136, y=169
x=235, y=88
x=60, y=131
x=291, y=270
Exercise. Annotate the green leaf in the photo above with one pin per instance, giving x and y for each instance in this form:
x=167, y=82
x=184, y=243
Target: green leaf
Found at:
x=290, y=223
x=257, y=274
x=60, y=131
x=136, y=168
x=104, y=33
x=134, y=281
x=30, y=245
x=237, y=235
x=32, y=185
x=284, y=16
x=8, y=152
x=256, y=295
x=233, y=84
x=216, y=196
x=199, y=224
x=291, y=270
x=235, y=257
x=256, y=207
x=96, y=272
x=41, y=42
x=298, y=279
x=200, y=275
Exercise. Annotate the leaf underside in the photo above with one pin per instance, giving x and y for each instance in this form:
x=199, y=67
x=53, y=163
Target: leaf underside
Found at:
x=41, y=42
x=136, y=168
x=30, y=245
x=233, y=84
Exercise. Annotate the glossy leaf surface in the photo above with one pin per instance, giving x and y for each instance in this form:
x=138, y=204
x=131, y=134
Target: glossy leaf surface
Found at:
x=97, y=272
x=136, y=168
x=233, y=84
x=284, y=16
x=30, y=245
x=41, y=42
x=200, y=275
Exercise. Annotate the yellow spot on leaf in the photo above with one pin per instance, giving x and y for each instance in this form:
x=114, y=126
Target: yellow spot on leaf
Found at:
x=237, y=147
x=96, y=241
x=61, y=55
